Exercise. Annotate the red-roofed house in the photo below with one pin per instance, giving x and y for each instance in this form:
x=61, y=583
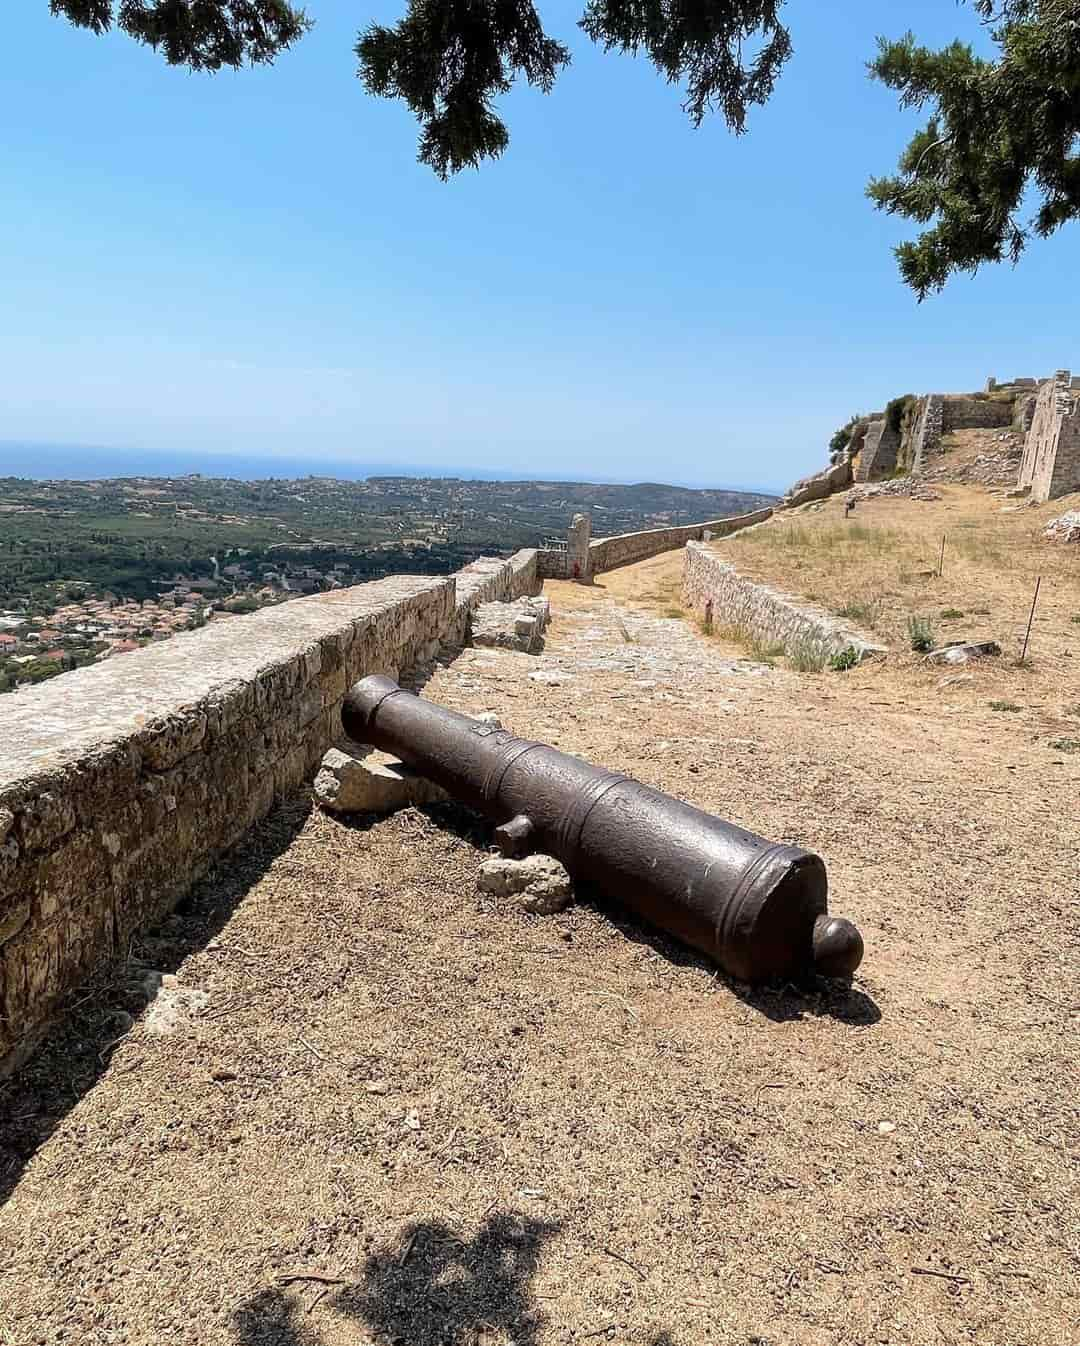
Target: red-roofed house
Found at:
x=7, y=642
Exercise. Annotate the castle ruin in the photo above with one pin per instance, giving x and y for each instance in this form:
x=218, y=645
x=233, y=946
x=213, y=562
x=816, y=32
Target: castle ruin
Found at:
x=1051, y=463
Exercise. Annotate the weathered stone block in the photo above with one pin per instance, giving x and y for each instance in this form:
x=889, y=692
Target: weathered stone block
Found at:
x=354, y=781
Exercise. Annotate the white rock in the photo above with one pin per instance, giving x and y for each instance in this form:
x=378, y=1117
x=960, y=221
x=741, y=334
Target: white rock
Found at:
x=539, y=882
x=374, y=783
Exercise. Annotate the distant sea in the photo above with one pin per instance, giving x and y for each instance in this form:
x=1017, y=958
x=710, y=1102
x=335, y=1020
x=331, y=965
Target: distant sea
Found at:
x=72, y=462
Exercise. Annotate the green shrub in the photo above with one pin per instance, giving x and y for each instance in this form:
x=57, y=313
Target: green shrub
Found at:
x=896, y=410
x=674, y=612
x=844, y=659
x=1065, y=744
x=951, y=614
x=920, y=634
x=866, y=609
x=1075, y=619
x=1004, y=705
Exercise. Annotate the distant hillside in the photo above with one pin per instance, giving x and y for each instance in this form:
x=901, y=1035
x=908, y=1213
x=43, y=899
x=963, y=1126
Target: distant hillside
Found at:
x=132, y=535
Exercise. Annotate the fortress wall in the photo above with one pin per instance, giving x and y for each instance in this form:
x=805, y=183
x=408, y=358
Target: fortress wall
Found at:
x=1051, y=463
x=974, y=413
x=491, y=579
x=715, y=591
x=880, y=447
x=121, y=783
x=552, y=563
x=608, y=553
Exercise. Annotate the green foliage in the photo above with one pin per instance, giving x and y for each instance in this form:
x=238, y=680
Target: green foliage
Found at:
x=205, y=36
x=951, y=614
x=866, y=609
x=896, y=410
x=844, y=659
x=1065, y=744
x=842, y=438
x=920, y=634
x=997, y=130
x=1009, y=706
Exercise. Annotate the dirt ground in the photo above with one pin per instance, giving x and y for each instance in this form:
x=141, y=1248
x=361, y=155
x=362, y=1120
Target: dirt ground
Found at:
x=407, y=1113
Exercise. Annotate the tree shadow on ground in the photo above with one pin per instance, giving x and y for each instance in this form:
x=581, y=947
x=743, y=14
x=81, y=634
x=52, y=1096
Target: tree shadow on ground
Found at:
x=427, y=1287
x=75, y=1052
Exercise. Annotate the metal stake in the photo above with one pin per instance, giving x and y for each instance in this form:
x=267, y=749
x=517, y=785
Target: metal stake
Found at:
x=1031, y=618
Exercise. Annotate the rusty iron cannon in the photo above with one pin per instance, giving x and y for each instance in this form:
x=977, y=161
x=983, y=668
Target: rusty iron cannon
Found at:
x=756, y=907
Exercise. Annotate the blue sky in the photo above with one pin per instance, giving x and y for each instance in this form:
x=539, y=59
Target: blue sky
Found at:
x=254, y=264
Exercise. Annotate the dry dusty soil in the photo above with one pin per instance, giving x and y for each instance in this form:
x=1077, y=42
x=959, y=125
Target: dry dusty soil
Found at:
x=401, y=1112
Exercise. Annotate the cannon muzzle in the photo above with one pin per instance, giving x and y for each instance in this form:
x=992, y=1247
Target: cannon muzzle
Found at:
x=755, y=907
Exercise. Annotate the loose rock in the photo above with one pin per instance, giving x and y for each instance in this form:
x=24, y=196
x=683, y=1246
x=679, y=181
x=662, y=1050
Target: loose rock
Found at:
x=962, y=652
x=1065, y=528
x=373, y=783
x=539, y=882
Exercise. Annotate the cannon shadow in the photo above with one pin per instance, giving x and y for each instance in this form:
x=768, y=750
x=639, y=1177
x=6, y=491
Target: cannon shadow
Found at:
x=427, y=1286
x=813, y=996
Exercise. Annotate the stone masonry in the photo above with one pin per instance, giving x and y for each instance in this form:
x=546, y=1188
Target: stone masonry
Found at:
x=1050, y=466
x=608, y=553
x=878, y=456
x=714, y=589
x=122, y=782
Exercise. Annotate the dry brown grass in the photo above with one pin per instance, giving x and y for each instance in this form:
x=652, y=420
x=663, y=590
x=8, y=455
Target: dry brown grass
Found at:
x=879, y=568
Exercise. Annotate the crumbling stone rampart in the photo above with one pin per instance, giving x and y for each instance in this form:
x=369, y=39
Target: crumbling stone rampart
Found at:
x=1050, y=466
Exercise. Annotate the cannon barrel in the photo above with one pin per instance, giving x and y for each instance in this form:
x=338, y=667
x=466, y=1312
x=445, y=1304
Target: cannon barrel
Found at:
x=755, y=907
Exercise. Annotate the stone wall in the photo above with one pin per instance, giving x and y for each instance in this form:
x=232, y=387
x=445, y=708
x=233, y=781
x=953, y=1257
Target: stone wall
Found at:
x=975, y=413
x=1050, y=466
x=491, y=579
x=927, y=427
x=878, y=454
x=121, y=783
x=608, y=553
x=553, y=563
x=715, y=591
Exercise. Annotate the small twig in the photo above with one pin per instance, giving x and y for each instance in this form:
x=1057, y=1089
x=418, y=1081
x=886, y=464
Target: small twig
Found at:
x=287, y=1277
x=598, y=1332
x=313, y=1050
x=408, y=1248
x=626, y=1262
x=321, y=1295
x=941, y=1275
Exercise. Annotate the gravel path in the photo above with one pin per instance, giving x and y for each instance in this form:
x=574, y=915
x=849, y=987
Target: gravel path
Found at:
x=389, y=1109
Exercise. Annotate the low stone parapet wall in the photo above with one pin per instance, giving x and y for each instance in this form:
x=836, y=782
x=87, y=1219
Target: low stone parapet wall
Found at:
x=492, y=579
x=715, y=591
x=122, y=782
x=608, y=553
